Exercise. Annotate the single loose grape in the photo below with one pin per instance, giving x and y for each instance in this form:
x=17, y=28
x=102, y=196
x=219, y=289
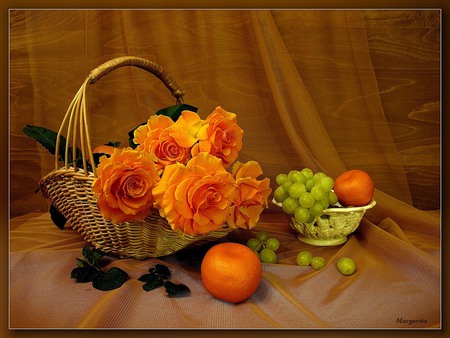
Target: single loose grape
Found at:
x=302, y=215
x=272, y=244
x=268, y=256
x=262, y=236
x=308, y=173
x=297, y=189
x=303, y=258
x=289, y=205
x=280, y=194
x=317, y=262
x=296, y=176
x=253, y=243
x=281, y=178
x=346, y=266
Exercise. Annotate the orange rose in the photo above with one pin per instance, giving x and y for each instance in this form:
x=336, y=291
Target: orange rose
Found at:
x=195, y=198
x=124, y=184
x=149, y=132
x=252, y=195
x=158, y=141
x=220, y=136
x=185, y=129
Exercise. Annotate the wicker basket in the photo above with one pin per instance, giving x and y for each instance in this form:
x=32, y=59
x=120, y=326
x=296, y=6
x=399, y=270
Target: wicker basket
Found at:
x=332, y=227
x=69, y=189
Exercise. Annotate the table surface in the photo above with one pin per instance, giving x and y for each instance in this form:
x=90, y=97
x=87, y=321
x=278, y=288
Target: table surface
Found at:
x=396, y=283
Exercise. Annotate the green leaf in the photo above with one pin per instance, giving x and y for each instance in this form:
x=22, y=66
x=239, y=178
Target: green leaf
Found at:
x=131, y=136
x=161, y=270
x=176, y=290
x=85, y=274
x=92, y=256
x=47, y=138
x=174, y=112
x=113, y=144
x=113, y=279
x=58, y=219
x=81, y=263
x=152, y=282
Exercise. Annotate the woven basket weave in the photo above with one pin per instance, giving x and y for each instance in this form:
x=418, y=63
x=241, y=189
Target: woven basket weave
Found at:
x=69, y=189
x=332, y=227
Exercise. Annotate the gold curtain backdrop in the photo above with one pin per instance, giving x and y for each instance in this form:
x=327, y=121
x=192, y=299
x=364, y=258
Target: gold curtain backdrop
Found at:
x=327, y=89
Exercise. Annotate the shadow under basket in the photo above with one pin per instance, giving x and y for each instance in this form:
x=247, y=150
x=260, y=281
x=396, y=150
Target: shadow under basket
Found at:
x=332, y=227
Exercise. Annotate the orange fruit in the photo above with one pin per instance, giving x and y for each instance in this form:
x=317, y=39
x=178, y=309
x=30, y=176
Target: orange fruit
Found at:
x=231, y=272
x=354, y=188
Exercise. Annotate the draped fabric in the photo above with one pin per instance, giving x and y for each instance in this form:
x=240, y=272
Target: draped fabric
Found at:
x=326, y=89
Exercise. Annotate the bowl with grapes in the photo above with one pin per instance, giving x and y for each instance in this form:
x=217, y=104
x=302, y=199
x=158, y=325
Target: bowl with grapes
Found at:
x=330, y=228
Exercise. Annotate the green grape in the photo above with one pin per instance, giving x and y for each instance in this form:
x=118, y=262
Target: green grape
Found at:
x=268, y=256
x=309, y=184
x=281, y=178
x=318, y=193
x=289, y=205
x=324, y=202
x=316, y=209
x=296, y=176
x=346, y=266
x=280, y=194
x=286, y=186
x=272, y=244
x=318, y=175
x=311, y=219
x=303, y=258
x=253, y=243
x=302, y=215
x=306, y=200
x=332, y=198
x=317, y=262
x=308, y=173
x=326, y=183
x=262, y=236
x=297, y=189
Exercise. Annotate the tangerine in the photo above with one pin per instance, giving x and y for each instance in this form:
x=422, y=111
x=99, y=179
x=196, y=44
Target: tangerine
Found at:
x=231, y=272
x=354, y=188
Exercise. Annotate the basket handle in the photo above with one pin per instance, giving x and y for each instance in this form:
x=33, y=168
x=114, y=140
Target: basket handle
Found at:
x=133, y=61
x=76, y=116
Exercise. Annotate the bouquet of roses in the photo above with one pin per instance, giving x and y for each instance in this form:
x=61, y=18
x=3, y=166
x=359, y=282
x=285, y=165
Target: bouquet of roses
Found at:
x=186, y=168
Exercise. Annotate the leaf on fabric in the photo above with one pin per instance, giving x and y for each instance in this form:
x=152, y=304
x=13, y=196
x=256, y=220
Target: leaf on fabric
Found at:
x=152, y=281
x=85, y=274
x=161, y=270
x=110, y=280
x=176, y=290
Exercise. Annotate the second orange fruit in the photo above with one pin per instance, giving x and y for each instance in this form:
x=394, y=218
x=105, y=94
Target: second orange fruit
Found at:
x=354, y=188
x=231, y=272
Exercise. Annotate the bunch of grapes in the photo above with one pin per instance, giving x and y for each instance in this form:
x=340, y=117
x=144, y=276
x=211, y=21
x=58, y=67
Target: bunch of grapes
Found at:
x=304, y=194
x=265, y=247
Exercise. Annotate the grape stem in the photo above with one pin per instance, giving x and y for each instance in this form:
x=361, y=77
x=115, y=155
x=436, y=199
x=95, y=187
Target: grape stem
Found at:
x=261, y=244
